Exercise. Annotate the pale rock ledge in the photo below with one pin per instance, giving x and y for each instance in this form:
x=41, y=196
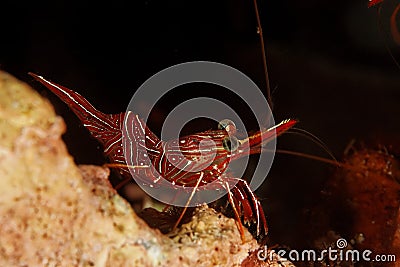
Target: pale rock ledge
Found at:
x=54, y=213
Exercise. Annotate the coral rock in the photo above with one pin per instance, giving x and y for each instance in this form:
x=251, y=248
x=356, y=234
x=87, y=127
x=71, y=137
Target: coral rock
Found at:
x=54, y=213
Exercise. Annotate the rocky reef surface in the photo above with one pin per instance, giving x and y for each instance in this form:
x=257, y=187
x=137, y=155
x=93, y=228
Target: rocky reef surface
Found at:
x=55, y=213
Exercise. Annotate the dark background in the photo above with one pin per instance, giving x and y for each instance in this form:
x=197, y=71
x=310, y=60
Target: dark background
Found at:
x=328, y=65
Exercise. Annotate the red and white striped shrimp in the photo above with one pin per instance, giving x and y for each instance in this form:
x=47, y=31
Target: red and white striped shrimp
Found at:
x=148, y=158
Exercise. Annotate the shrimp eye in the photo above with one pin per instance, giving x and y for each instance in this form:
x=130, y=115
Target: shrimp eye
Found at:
x=227, y=125
x=230, y=143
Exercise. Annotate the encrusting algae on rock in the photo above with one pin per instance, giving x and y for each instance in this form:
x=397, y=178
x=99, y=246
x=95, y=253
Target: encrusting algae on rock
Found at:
x=54, y=213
